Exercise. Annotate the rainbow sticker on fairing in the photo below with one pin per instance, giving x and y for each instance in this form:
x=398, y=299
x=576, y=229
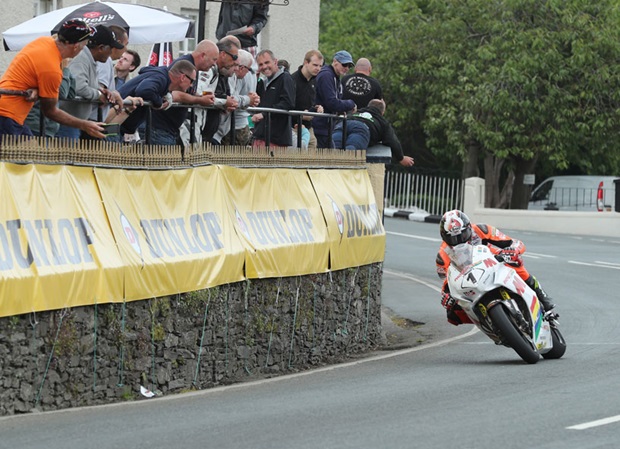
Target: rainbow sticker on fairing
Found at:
x=537, y=314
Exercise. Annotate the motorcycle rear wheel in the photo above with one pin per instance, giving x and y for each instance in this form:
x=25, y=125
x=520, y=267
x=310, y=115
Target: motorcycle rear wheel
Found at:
x=559, y=345
x=512, y=335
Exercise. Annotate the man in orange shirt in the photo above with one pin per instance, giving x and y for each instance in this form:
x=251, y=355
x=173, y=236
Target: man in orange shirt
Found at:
x=36, y=69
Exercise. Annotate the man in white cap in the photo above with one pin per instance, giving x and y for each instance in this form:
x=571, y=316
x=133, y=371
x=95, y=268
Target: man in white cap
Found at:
x=329, y=95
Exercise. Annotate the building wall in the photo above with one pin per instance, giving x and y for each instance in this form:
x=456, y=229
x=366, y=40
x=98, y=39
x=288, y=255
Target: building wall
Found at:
x=292, y=30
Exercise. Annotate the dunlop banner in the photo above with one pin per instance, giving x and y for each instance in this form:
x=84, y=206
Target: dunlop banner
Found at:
x=56, y=249
x=279, y=220
x=173, y=228
x=355, y=229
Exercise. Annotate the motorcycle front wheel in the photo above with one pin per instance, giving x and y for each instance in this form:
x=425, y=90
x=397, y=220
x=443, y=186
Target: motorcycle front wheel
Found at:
x=559, y=345
x=512, y=336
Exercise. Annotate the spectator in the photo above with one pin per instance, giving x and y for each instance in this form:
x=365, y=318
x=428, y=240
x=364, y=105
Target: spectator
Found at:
x=305, y=94
x=37, y=70
x=168, y=122
x=217, y=82
x=105, y=73
x=238, y=18
x=329, y=95
x=360, y=86
x=305, y=136
x=368, y=127
x=128, y=63
x=276, y=89
x=284, y=64
x=66, y=92
x=155, y=84
x=84, y=69
x=243, y=89
x=105, y=70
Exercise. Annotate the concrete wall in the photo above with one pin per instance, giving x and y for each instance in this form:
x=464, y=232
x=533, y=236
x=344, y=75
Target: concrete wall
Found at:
x=602, y=224
x=291, y=31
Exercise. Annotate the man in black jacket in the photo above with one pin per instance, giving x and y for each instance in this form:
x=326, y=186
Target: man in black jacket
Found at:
x=368, y=127
x=305, y=93
x=241, y=19
x=276, y=89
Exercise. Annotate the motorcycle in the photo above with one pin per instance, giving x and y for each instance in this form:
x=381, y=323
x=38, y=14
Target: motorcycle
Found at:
x=501, y=304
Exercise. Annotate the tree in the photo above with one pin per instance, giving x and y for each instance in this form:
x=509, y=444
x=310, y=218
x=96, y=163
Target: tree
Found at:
x=501, y=87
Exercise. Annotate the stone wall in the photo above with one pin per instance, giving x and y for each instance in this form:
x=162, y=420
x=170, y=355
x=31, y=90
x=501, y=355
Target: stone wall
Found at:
x=104, y=353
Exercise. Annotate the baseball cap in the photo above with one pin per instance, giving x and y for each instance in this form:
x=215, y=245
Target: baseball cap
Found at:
x=105, y=36
x=344, y=57
x=75, y=30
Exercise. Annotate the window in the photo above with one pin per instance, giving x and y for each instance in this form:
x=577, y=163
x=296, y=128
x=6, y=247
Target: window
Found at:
x=189, y=45
x=43, y=6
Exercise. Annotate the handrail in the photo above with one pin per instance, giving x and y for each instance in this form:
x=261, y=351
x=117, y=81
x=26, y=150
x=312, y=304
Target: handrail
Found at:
x=294, y=113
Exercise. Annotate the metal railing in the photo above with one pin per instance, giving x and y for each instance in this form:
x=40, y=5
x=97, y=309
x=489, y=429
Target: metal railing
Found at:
x=410, y=191
x=268, y=112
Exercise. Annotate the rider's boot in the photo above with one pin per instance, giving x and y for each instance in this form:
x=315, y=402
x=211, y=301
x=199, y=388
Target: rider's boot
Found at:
x=544, y=299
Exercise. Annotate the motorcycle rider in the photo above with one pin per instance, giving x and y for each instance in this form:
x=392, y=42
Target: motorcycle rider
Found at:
x=455, y=228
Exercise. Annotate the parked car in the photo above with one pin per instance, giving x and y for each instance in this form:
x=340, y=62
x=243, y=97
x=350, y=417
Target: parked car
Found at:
x=575, y=193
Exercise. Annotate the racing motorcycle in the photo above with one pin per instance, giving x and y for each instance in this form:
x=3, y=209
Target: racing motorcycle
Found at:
x=501, y=304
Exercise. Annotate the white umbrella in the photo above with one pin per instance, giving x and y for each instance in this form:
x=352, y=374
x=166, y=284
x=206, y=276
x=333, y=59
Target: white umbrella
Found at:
x=145, y=24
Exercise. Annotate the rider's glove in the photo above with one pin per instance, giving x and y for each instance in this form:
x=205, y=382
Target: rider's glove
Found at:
x=512, y=257
x=447, y=301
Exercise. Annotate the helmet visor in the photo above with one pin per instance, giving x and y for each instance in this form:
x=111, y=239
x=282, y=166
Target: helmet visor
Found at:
x=463, y=237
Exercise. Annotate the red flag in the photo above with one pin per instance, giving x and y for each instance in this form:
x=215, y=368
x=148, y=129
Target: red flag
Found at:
x=161, y=54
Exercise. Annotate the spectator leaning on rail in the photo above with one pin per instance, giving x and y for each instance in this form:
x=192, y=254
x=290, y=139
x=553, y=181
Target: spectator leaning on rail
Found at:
x=167, y=123
x=368, y=127
x=216, y=82
x=329, y=95
x=155, y=84
x=87, y=87
x=37, y=69
x=276, y=89
x=243, y=89
x=65, y=92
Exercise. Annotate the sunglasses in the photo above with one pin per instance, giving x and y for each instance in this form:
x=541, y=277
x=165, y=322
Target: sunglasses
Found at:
x=193, y=80
x=234, y=57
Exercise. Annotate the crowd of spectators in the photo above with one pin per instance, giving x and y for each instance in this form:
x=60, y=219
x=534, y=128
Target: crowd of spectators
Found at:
x=223, y=78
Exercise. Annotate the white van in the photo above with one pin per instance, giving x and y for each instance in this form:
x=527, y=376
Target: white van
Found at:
x=575, y=193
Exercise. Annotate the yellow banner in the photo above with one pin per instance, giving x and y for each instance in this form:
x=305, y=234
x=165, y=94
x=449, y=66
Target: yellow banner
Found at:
x=72, y=236
x=172, y=228
x=355, y=227
x=56, y=249
x=279, y=220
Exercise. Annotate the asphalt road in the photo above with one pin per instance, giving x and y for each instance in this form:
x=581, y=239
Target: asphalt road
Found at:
x=455, y=388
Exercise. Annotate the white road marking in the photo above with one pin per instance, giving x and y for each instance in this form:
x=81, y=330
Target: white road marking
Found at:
x=597, y=423
x=413, y=278
x=608, y=263
x=600, y=265
x=537, y=255
x=411, y=236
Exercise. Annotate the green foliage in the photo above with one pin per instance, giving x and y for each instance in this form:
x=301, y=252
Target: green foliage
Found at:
x=500, y=81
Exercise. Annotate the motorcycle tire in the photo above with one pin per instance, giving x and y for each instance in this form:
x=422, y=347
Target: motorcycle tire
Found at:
x=512, y=336
x=559, y=345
